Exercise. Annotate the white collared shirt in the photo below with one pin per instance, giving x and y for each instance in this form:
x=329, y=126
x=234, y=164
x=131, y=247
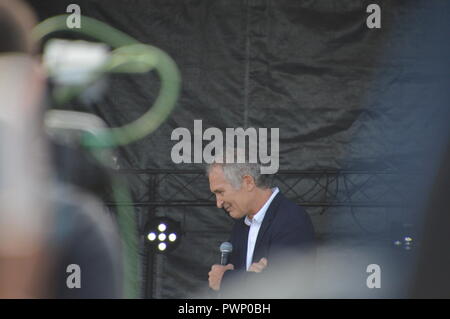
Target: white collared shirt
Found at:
x=255, y=225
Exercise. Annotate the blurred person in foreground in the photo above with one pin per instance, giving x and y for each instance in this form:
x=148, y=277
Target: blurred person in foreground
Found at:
x=23, y=212
x=46, y=227
x=268, y=226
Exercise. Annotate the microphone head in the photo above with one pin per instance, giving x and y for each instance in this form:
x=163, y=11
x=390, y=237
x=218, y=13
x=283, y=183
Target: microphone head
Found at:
x=226, y=247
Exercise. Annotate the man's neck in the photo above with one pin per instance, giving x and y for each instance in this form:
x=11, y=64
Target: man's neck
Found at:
x=261, y=198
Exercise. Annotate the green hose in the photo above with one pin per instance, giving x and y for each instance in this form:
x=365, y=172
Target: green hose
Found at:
x=129, y=56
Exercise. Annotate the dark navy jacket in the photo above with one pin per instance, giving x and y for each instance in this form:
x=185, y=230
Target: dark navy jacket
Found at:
x=286, y=228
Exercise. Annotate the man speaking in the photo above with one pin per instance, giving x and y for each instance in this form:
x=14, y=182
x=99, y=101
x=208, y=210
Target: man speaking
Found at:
x=267, y=226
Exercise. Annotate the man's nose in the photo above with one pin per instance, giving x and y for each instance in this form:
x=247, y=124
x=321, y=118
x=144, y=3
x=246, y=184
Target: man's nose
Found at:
x=219, y=203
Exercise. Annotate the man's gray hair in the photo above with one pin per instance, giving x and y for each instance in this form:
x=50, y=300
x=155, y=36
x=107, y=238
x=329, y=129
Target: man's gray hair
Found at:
x=235, y=172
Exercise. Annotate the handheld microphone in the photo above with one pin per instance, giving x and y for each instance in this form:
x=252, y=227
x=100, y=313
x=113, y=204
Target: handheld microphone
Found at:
x=225, y=250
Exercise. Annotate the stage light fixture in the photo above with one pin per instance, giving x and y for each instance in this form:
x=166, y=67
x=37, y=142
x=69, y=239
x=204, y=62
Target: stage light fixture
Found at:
x=163, y=234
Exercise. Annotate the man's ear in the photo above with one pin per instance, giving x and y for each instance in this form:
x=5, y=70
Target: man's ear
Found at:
x=248, y=182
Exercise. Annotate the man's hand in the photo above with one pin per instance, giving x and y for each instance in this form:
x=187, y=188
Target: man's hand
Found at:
x=216, y=274
x=259, y=266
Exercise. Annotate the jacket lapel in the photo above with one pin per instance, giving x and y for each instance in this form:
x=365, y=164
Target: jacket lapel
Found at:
x=242, y=242
x=244, y=245
x=270, y=215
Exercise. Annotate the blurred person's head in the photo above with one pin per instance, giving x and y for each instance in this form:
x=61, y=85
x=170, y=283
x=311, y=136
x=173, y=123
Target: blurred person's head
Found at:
x=17, y=47
x=16, y=23
x=240, y=188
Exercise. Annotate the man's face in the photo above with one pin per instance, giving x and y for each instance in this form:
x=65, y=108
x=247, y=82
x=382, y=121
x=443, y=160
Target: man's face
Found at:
x=234, y=201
